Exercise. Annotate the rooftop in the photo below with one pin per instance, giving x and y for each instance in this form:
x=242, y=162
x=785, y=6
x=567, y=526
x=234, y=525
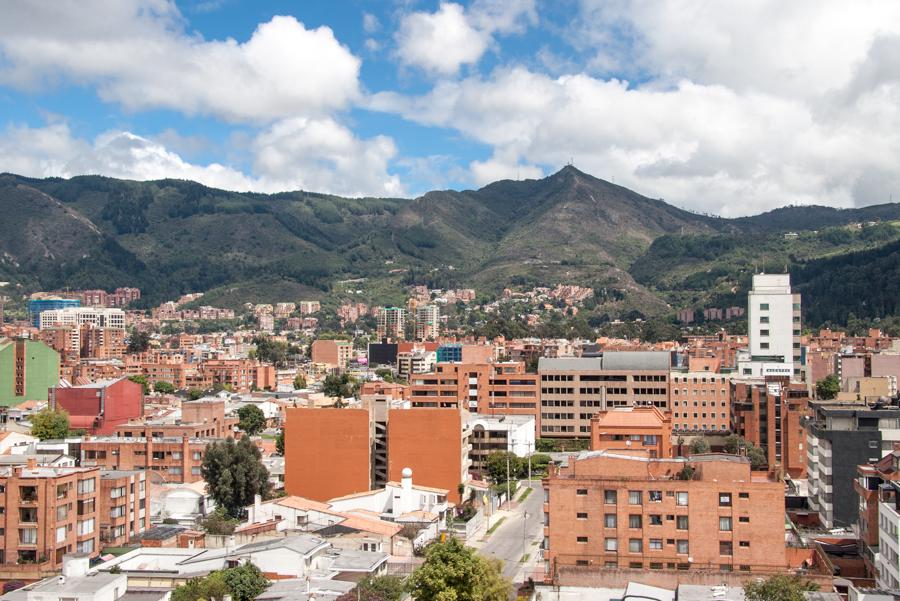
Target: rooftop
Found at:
x=610, y=361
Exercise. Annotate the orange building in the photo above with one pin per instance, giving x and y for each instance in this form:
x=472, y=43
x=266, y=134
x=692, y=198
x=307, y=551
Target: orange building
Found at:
x=613, y=510
x=124, y=509
x=867, y=485
x=701, y=397
x=635, y=428
x=768, y=413
x=173, y=459
x=327, y=453
x=333, y=353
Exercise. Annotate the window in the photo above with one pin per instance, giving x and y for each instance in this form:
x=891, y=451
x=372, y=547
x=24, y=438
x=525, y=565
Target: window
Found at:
x=609, y=520
x=764, y=332
x=62, y=512
x=681, y=547
x=655, y=496
x=682, y=522
x=635, y=545
x=611, y=544
x=635, y=565
x=609, y=497
x=724, y=499
x=656, y=520
x=764, y=319
x=581, y=492
x=86, y=486
x=744, y=519
x=763, y=345
x=724, y=524
x=656, y=544
x=656, y=565
x=745, y=543
x=60, y=534
x=681, y=498
x=764, y=306
x=726, y=547
x=634, y=521
x=86, y=527
x=743, y=495
x=581, y=516
x=634, y=497
x=582, y=539
x=28, y=536
x=85, y=546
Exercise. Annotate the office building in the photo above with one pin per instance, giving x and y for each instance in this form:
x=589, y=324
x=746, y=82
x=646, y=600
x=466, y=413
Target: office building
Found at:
x=871, y=480
x=428, y=322
x=610, y=510
x=773, y=328
x=39, y=305
x=79, y=316
x=701, y=397
x=573, y=389
x=391, y=323
x=28, y=369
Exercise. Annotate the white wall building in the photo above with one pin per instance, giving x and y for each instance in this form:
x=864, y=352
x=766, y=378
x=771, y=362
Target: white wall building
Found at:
x=888, y=531
x=79, y=316
x=773, y=329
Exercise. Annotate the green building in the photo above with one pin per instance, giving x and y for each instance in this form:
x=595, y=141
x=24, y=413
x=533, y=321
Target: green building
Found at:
x=28, y=369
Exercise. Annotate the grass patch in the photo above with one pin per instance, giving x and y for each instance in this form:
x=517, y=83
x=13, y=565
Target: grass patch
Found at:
x=525, y=494
x=524, y=558
x=495, y=526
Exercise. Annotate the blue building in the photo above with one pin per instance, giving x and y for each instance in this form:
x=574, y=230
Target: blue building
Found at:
x=449, y=353
x=38, y=306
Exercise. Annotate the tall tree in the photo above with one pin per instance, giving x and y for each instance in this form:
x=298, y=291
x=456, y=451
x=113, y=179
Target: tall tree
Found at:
x=47, y=424
x=142, y=380
x=252, y=420
x=138, y=342
x=299, y=382
x=699, y=446
x=234, y=474
x=779, y=588
x=244, y=583
x=828, y=387
x=453, y=572
x=279, y=442
x=163, y=387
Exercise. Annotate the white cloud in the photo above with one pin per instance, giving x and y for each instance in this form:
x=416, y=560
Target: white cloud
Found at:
x=371, y=24
x=139, y=54
x=319, y=155
x=443, y=41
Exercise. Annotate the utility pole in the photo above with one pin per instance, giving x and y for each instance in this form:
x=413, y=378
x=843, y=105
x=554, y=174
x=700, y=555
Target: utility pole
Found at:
x=508, y=493
x=524, y=536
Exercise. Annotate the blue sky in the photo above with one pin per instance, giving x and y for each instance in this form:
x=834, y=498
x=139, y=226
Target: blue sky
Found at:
x=722, y=109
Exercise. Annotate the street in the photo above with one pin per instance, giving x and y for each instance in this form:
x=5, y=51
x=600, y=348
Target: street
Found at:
x=506, y=543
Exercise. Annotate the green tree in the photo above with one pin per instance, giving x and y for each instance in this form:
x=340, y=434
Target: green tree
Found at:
x=142, y=380
x=246, y=582
x=828, y=387
x=48, y=424
x=377, y=588
x=496, y=466
x=539, y=463
x=234, y=474
x=340, y=386
x=453, y=572
x=138, y=342
x=779, y=588
x=270, y=351
x=699, y=446
x=200, y=589
x=219, y=522
x=299, y=382
x=734, y=444
x=163, y=387
x=758, y=457
x=252, y=420
x=279, y=442
x=194, y=394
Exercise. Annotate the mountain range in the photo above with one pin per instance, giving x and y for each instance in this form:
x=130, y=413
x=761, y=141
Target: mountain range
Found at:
x=640, y=254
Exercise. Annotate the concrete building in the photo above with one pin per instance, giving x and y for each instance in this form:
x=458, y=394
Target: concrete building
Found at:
x=888, y=559
x=28, y=369
x=391, y=323
x=37, y=306
x=428, y=322
x=172, y=459
x=609, y=510
x=78, y=583
x=49, y=512
x=870, y=480
x=574, y=389
x=483, y=388
x=332, y=353
x=415, y=362
x=769, y=412
x=774, y=328
x=490, y=434
x=123, y=506
x=840, y=437
x=80, y=316
x=632, y=428
x=101, y=406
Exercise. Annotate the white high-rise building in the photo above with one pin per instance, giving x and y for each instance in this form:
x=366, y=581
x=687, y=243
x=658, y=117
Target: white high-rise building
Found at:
x=79, y=316
x=773, y=329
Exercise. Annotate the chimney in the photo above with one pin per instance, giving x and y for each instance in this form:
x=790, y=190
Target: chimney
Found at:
x=257, y=502
x=32, y=463
x=406, y=492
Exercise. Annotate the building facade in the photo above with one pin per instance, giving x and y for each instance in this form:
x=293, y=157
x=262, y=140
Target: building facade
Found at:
x=428, y=322
x=28, y=369
x=391, y=323
x=773, y=328
x=100, y=407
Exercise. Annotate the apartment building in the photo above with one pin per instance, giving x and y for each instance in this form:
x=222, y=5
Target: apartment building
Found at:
x=428, y=322
x=336, y=452
x=391, y=323
x=840, y=437
x=769, y=412
x=332, y=353
x=573, y=389
x=491, y=434
x=870, y=480
x=28, y=369
x=101, y=406
x=773, y=328
x=866, y=365
x=79, y=316
x=415, y=362
x=611, y=510
x=632, y=428
x=484, y=388
x=309, y=307
x=46, y=513
x=124, y=506
x=173, y=459
x=701, y=397
x=888, y=559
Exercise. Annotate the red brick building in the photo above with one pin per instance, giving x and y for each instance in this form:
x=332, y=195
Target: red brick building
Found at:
x=701, y=397
x=173, y=459
x=623, y=510
x=124, y=506
x=633, y=428
x=101, y=406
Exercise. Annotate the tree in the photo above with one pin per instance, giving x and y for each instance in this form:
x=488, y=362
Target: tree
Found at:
x=139, y=342
x=48, y=424
x=243, y=583
x=163, y=387
x=699, y=446
x=271, y=351
x=758, y=457
x=142, y=380
x=779, y=588
x=828, y=387
x=453, y=572
x=219, y=522
x=234, y=474
x=734, y=444
x=340, y=386
x=279, y=442
x=194, y=394
x=252, y=420
x=496, y=466
x=299, y=382
x=377, y=588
